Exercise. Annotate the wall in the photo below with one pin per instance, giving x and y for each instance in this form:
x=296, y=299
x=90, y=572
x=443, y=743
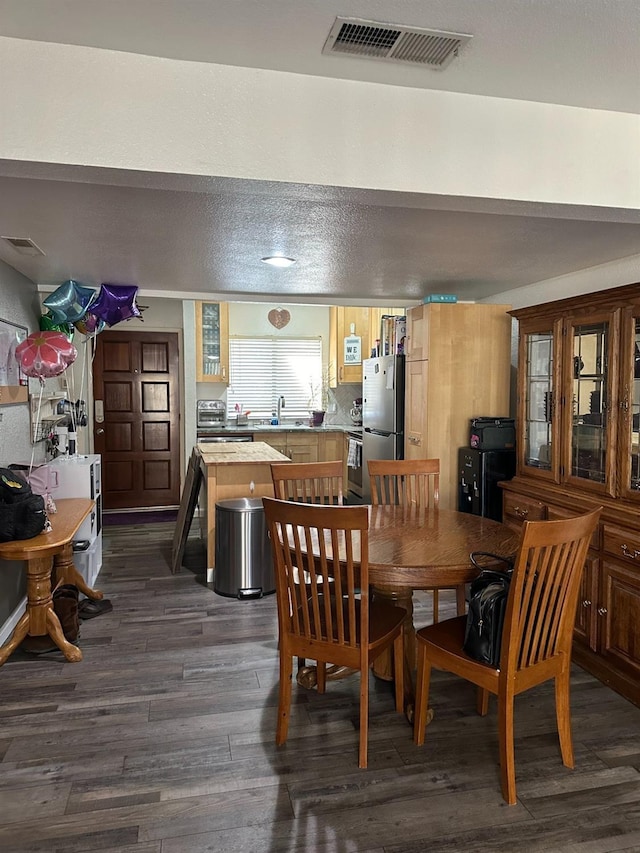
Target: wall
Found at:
x=18, y=304
x=196, y=118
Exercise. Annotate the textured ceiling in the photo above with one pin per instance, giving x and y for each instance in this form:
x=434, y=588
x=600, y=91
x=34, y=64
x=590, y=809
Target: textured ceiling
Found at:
x=159, y=230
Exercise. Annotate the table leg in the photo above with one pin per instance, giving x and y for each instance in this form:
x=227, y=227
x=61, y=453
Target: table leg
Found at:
x=20, y=632
x=40, y=618
x=66, y=572
x=54, y=629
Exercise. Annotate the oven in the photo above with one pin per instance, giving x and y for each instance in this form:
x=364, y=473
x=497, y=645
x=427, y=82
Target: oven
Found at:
x=354, y=466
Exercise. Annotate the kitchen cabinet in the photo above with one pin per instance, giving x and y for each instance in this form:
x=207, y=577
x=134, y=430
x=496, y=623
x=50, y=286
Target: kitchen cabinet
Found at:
x=306, y=445
x=578, y=447
x=297, y=446
x=212, y=342
x=457, y=368
x=344, y=322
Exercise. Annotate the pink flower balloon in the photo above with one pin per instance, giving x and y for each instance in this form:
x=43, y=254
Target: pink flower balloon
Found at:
x=45, y=354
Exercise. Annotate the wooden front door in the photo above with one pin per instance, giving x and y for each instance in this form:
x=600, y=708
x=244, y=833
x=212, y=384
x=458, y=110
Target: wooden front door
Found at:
x=135, y=383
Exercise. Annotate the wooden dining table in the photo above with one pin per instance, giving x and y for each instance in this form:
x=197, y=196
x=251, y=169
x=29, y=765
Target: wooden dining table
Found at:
x=413, y=548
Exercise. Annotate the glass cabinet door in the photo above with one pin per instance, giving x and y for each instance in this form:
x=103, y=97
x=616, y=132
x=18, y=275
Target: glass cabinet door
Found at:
x=629, y=407
x=212, y=341
x=538, y=444
x=588, y=404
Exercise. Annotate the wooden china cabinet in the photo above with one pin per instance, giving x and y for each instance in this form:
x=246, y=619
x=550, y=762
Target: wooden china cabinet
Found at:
x=578, y=422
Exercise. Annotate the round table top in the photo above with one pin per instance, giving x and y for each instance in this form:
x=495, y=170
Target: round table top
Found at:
x=420, y=549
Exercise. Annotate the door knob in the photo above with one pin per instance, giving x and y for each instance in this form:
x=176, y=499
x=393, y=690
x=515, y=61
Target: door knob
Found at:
x=99, y=431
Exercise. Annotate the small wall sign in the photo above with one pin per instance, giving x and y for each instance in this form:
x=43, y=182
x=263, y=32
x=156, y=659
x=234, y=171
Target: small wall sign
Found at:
x=353, y=350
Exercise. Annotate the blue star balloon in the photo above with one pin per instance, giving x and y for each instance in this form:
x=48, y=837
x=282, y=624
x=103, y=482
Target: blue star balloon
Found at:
x=69, y=302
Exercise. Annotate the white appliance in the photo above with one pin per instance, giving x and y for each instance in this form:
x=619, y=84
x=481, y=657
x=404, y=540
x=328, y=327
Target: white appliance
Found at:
x=210, y=413
x=81, y=477
x=382, y=412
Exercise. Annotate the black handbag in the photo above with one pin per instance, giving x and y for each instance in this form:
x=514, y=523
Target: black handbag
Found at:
x=487, y=608
x=22, y=514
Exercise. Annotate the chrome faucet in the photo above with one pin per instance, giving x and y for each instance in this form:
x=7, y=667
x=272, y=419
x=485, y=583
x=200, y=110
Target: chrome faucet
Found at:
x=281, y=405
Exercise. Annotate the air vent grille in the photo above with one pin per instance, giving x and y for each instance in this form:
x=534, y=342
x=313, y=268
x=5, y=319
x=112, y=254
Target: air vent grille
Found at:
x=24, y=245
x=394, y=43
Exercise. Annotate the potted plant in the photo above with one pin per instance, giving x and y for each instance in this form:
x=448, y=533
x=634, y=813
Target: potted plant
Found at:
x=319, y=397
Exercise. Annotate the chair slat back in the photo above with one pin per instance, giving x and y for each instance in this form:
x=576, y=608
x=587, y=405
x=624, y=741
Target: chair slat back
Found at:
x=308, y=482
x=544, y=590
x=401, y=482
x=317, y=594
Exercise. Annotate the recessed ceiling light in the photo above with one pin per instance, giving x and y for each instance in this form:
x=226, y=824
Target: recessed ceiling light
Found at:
x=278, y=261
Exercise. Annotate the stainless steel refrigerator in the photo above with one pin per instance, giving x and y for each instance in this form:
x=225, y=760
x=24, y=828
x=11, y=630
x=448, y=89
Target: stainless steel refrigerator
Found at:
x=382, y=412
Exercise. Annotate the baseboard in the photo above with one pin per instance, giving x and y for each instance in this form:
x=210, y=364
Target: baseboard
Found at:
x=7, y=629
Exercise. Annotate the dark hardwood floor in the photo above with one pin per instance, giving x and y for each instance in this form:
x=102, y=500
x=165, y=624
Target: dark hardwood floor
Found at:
x=162, y=741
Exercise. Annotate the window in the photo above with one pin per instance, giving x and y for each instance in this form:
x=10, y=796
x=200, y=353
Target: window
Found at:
x=262, y=369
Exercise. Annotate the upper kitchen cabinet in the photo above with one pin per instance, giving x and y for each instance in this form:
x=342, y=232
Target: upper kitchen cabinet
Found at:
x=345, y=361
x=346, y=323
x=212, y=342
x=463, y=372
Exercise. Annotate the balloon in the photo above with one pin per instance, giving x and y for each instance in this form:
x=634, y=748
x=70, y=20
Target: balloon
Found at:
x=89, y=324
x=45, y=354
x=47, y=324
x=69, y=302
x=116, y=302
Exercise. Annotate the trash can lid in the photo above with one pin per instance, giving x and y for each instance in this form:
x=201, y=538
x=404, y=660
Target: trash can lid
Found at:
x=240, y=504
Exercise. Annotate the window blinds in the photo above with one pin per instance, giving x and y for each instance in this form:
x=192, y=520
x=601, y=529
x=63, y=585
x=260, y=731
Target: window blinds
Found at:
x=262, y=369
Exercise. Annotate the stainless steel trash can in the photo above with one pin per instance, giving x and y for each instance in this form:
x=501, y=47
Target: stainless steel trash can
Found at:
x=244, y=565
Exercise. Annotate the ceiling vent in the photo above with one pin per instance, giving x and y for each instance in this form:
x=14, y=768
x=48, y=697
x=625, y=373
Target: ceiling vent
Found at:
x=24, y=245
x=394, y=42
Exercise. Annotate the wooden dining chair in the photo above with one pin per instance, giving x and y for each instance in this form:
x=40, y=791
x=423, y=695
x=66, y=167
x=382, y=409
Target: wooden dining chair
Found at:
x=400, y=482
x=536, y=638
x=308, y=482
x=324, y=611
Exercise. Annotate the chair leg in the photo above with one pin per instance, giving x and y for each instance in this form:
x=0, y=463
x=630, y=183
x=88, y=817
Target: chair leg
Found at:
x=505, y=738
x=301, y=663
x=422, y=695
x=563, y=718
x=321, y=676
x=482, y=701
x=436, y=603
x=461, y=599
x=398, y=671
x=284, y=696
x=364, y=717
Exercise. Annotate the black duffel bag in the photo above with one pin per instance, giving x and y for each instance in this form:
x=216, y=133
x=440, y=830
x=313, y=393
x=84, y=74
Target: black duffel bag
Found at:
x=22, y=514
x=487, y=608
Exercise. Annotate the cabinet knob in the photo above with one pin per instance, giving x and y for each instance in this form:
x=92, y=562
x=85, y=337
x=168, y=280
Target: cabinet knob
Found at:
x=602, y=611
x=521, y=513
x=586, y=603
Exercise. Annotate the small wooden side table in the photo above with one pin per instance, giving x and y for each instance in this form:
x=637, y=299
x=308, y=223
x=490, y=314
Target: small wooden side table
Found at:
x=39, y=618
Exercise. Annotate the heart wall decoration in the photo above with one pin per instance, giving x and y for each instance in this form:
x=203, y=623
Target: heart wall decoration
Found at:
x=279, y=317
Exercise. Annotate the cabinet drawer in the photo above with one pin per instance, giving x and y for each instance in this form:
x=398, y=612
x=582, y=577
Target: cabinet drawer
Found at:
x=621, y=542
x=518, y=508
x=558, y=513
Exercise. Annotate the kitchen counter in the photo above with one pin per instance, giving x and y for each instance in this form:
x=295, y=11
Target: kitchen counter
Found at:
x=251, y=429
x=236, y=470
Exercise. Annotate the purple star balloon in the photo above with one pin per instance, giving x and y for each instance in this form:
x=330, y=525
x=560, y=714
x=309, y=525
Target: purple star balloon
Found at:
x=116, y=302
